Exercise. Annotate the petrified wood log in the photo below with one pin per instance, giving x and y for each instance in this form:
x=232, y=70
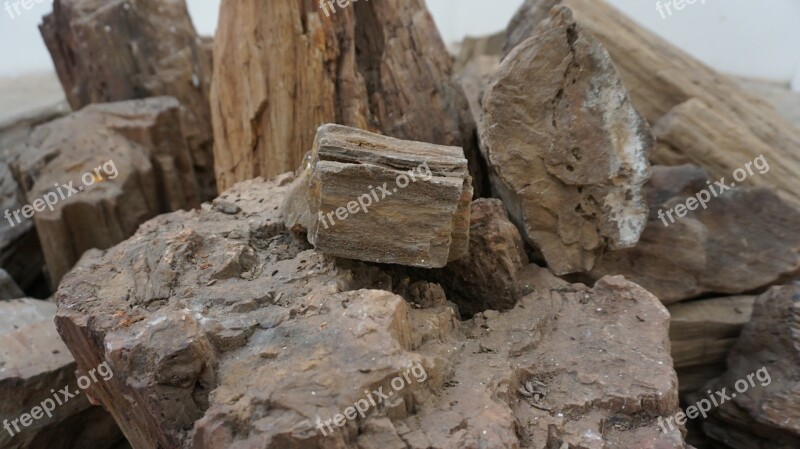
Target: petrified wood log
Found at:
x=125, y=50
x=244, y=336
x=744, y=239
x=375, y=198
x=567, y=151
x=766, y=415
x=34, y=361
x=661, y=77
x=374, y=65
x=104, y=170
x=702, y=334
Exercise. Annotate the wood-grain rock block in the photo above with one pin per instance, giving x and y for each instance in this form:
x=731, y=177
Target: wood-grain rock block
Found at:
x=375, y=198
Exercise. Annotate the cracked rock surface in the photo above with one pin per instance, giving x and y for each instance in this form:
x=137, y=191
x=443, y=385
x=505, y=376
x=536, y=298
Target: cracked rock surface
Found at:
x=566, y=149
x=224, y=330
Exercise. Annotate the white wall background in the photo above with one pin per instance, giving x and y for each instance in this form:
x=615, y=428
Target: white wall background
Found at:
x=755, y=38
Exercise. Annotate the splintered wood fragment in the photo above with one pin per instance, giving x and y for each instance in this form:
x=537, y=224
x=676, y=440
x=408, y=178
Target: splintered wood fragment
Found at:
x=375, y=198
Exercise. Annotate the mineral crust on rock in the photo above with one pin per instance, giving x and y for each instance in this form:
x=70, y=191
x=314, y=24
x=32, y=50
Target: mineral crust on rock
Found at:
x=379, y=199
x=745, y=239
x=566, y=149
x=105, y=170
x=224, y=330
x=34, y=361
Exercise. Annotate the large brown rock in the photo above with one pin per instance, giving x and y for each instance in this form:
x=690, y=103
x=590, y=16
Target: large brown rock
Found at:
x=34, y=361
x=375, y=198
x=567, y=151
x=123, y=50
x=744, y=240
x=105, y=170
x=374, y=65
x=243, y=336
x=763, y=409
x=661, y=77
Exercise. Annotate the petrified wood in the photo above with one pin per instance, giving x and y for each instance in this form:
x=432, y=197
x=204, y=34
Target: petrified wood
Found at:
x=125, y=50
x=284, y=68
x=566, y=150
x=375, y=198
x=102, y=171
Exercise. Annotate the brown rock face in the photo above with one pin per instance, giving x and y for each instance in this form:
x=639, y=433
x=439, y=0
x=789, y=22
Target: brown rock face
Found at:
x=762, y=374
x=489, y=277
x=745, y=239
x=370, y=197
x=567, y=151
x=374, y=65
x=105, y=170
x=107, y=51
x=34, y=361
x=662, y=77
x=243, y=336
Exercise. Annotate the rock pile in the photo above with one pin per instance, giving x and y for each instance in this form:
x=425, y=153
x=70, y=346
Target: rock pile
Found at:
x=419, y=281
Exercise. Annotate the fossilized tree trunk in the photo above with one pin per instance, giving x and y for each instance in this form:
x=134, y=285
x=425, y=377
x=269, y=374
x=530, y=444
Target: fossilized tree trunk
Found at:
x=125, y=50
x=284, y=68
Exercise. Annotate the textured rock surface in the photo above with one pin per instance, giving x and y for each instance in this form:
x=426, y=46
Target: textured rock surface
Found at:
x=129, y=50
x=746, y=239
x=33, y=361
x=377, y=65
x=711, y=140
x=567, y=151
x=375, y=198
x=141, y=138
x=661, y=77
x=702, y=334
x=767, y=416
x=489, y=277
x=243, y=336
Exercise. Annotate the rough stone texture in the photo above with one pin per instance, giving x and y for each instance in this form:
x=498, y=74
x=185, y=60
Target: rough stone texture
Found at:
x=352, y=202
x=33, y=361
x=567, y=151
x=107, y=51
x=746, y=239
x=243, y=336
x=702, y=334
x=711, y=140
x=661, y=77
x=374, y=65
x=8, y=288
x=767, y=416
x=154, y=175
x=489, y=277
